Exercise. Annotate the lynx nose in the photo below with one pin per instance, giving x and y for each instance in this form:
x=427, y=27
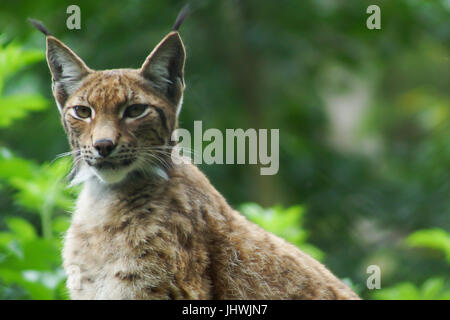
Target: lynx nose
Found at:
x=104, y=147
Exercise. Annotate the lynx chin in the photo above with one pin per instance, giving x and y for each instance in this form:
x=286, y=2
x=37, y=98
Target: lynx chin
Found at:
x=145, y=227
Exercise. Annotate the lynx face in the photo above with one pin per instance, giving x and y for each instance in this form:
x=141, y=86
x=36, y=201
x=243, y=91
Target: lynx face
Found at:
x=118, y=121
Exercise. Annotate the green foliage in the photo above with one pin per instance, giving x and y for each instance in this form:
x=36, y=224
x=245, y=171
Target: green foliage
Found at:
x=30, y=263
x=13, y=57
x=284, y=222
x=13, y=107
x=436, y=239
x=432, y=289
x=30, y=266
x=39, y=188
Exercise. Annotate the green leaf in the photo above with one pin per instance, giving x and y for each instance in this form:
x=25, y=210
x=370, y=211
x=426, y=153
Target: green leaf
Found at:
x=11, y=166
x=402, y=291
x=16, y=250
x=432, y=288
x=18, y=106
x=13, y=58
x=49, y=279
x=60, y=224
x=284, y=222
x=13, y=107
x=35, y=289
x=437, y=239
x=21, y=228
x=37, y=187
x=39, y=254
x=313, y=251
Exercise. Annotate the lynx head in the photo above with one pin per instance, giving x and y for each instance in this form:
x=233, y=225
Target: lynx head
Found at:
x=118, y=121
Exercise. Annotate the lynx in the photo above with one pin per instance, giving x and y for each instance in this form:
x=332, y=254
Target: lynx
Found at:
x=145, y=227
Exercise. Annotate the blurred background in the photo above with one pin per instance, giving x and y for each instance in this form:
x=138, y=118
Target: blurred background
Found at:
x=363, y=118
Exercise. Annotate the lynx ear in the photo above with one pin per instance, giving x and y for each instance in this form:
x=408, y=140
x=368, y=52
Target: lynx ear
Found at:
x=67, y=70
x=164, y=67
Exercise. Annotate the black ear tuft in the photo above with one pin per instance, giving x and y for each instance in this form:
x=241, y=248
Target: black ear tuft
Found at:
x=40, y=26
x=181, y=16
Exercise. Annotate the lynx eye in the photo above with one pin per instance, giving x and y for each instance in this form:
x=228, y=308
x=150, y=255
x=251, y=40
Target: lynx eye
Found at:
x=82, y=112
x=136, y=111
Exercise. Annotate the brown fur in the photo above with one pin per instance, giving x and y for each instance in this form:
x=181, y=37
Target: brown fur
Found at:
x=137, y=234
x=181, y=240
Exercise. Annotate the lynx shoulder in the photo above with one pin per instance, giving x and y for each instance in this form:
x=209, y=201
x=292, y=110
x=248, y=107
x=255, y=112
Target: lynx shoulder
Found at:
x=144, y=226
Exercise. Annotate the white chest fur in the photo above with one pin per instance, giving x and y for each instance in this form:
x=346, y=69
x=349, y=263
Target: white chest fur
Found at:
x=92, y=257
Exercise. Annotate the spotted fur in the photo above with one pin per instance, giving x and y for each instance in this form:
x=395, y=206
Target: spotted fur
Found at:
x=145, y=227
